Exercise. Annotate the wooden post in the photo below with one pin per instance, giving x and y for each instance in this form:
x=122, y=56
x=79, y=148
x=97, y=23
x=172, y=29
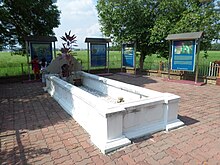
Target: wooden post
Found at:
x=197, y=60
x=54, y=47
x=135, y=69
x=219, y=71
x=88, y=55
x=218, y=78
x=108, y=55
x=22, y=71
x=121, y=56
x=22, y=68
x=169, y=60
x=27, y=47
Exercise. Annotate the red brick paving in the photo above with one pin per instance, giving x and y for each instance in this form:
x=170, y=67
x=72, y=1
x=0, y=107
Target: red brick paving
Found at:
x=35, y=130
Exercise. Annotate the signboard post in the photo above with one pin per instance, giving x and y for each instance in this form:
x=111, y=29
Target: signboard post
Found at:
x=184, y=52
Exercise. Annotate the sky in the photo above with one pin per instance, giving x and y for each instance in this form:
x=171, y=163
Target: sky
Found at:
x=79, y=16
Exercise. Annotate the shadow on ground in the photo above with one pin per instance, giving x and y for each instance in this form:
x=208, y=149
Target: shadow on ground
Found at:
x=28, y=107
x=17, y=153
x=142, y=138
x=26, y=112
x=187, y=120
x=137, y=80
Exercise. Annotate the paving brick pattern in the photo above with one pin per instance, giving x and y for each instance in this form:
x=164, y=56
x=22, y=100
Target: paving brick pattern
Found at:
x=35, y=130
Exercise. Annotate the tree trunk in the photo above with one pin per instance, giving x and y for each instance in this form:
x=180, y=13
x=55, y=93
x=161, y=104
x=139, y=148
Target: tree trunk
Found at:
x=141, y=63
x=142, y=58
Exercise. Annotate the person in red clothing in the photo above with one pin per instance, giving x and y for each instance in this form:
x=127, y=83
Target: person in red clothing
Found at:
x=35, y=67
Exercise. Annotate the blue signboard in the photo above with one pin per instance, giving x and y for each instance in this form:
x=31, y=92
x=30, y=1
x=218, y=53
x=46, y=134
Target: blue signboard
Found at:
x=128, y=55
x=42, y=50
x=183, y=55
x=98, y=55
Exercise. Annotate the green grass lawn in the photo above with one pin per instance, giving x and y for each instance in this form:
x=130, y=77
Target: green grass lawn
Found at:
x=212, y=56
x=8, y=60
x=11, y=64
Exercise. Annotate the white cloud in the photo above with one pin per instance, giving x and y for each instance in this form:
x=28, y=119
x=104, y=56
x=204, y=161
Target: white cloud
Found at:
x=93, y=30
x=79, y=16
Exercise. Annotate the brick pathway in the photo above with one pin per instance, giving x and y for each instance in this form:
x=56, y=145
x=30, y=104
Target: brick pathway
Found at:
x=35, y=130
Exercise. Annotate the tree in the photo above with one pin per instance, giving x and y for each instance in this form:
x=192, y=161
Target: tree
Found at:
x=148, y=22
x=187, y=16
x=21, y=18
x=215, y=47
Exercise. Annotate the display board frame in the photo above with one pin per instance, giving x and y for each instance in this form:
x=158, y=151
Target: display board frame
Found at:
x=101, y=59
x=98, y=55
x=128, y=55
x=183, y=55
x=41, y=50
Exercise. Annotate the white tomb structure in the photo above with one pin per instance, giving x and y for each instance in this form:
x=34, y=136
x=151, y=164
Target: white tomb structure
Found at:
x=113, y=112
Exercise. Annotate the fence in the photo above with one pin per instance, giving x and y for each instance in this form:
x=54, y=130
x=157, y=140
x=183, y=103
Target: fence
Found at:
x=213, y=70
x=205, y=69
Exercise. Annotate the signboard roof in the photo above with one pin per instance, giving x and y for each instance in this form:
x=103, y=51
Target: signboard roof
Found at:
x=98, y=40
x=185, y=36
x=41, y=38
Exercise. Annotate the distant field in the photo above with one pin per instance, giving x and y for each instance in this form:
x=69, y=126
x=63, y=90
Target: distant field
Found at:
x=11, y=64
x=6, y=59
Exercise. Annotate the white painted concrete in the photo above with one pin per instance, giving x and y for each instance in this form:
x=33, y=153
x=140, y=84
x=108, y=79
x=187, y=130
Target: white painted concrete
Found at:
x=111, y=125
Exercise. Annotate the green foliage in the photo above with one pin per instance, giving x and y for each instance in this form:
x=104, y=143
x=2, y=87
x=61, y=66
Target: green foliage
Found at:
x=187, y=16
x=20, y=18
x=115, y=47
x=148, y=22
x=215, y=46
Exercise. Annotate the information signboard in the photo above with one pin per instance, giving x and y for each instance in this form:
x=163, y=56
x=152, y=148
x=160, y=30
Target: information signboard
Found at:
x=42, y=50
x=128, y=55
x=98, y=55
x=183, y=55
